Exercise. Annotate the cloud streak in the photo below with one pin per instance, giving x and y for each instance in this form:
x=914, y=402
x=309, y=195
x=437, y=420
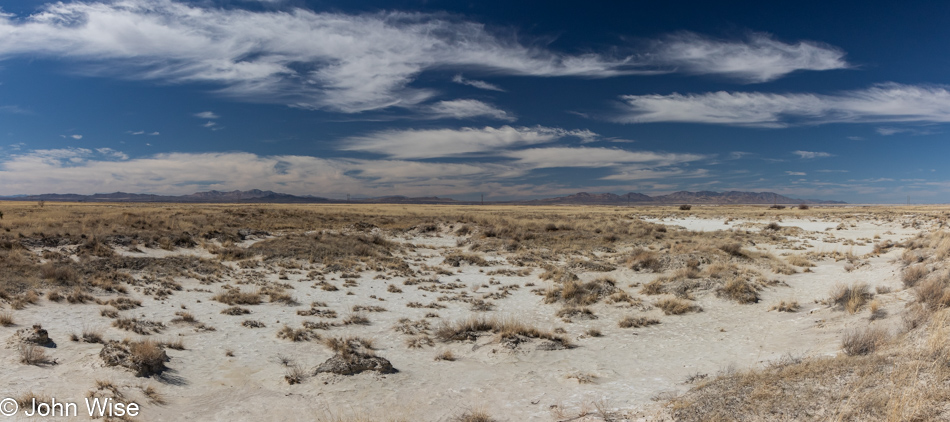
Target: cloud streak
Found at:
x=759, y=58
x=888, y=102
x=351, y=63
x=435, y=143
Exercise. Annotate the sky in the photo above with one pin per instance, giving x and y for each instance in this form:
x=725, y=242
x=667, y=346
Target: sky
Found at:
x=507, y=99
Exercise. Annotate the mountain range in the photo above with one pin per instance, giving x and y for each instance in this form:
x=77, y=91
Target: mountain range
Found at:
x=260, y=196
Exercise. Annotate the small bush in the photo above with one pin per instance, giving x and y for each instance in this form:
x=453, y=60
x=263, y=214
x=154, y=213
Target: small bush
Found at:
x=6, y=319
x=863, y=341
x=236, y=310
x=676, y=306
x=237, y=297
x=445, y=355
x=739, y=290
x=32, y=354
x=635, y=322
x=685, y=207
x=783, y=306
x=913, y=274
x=851, y=298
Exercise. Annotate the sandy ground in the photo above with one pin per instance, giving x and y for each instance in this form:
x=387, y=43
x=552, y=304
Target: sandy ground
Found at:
x=630, y=367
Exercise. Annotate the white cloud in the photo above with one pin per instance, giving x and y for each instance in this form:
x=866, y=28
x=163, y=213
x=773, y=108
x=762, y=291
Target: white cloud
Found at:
x=796, y=173
x=881, y=103
x=76, y=136
x=348, y=63
x=855, y=138
x=760, y=58
x=432, y=143
x=335, y=61
x=207, y=115
x=594, y=157
x=650, y=174
x=811, y=154
x=477, y=84
x=466, y=109
x=13, y=109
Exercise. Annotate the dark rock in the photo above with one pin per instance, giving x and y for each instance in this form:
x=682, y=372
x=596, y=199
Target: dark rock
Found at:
x=355, y=363
x=36, y=335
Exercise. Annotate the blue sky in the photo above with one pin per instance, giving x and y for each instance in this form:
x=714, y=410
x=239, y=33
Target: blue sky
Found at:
x=842, y=100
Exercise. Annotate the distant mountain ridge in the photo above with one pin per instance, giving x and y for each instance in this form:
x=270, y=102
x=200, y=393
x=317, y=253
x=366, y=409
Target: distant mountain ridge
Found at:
x=580, y=198
x=681, y=197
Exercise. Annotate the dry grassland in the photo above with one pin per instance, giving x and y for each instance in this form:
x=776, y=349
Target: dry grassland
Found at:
x=402, y=292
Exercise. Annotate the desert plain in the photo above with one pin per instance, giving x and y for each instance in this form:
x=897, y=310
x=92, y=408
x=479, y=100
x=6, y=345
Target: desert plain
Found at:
x=477, y=313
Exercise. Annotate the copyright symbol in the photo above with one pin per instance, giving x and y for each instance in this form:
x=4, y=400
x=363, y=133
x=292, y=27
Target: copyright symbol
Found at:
x=8, y=407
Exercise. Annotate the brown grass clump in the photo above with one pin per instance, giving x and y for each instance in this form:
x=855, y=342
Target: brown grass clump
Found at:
x=32, y=354
x=446, y=355
x=6, y=319
x=914, y=273
x=236, y=310
x=630, y=321
x=934, y=292
x=237, y=297
x=851, y=298
x=471, y=328
x=863, y=341
x=300, y=334
x=580, y=294
x=138, y=326
x=799, y=261
x=644, y=260
x=676, y=306
x=457, y=259
x=739, y=290
x=477, y=415
x=783, y=306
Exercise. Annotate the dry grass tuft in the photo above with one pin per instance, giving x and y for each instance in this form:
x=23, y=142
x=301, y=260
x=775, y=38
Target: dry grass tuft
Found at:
x=477, y=415
x=914, y=273
x=6, y=319
x=575, y=293
x=863, y=341
x=739, y=290
x=237, y=297
x=676, y=306
x=446, y=355
x=630, y=321
x=786, y=306
x=32, y=354
x=851, y=298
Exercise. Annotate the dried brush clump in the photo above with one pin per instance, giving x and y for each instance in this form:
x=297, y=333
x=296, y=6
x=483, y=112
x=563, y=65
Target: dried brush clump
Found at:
x=851, y=298
x=676, y=306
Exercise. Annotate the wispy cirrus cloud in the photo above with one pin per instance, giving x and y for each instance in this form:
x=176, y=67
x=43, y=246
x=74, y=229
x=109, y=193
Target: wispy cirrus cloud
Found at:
x=210, y=115
x=594, y=157
x=435, y=143
x=476, y=83
x=758, y=58
x=351, y=63
x=466, y=109
x=888, y=102
x=811, y=154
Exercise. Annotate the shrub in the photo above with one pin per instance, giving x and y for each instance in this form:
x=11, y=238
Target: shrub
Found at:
x=863, y=341
x=237, y=297
x=676, y=306
x=739, y=290
x=685, y=207
x=6, y=319
x=851, y=298
x=783, y=306
x=635, y=322
x=912, y=274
